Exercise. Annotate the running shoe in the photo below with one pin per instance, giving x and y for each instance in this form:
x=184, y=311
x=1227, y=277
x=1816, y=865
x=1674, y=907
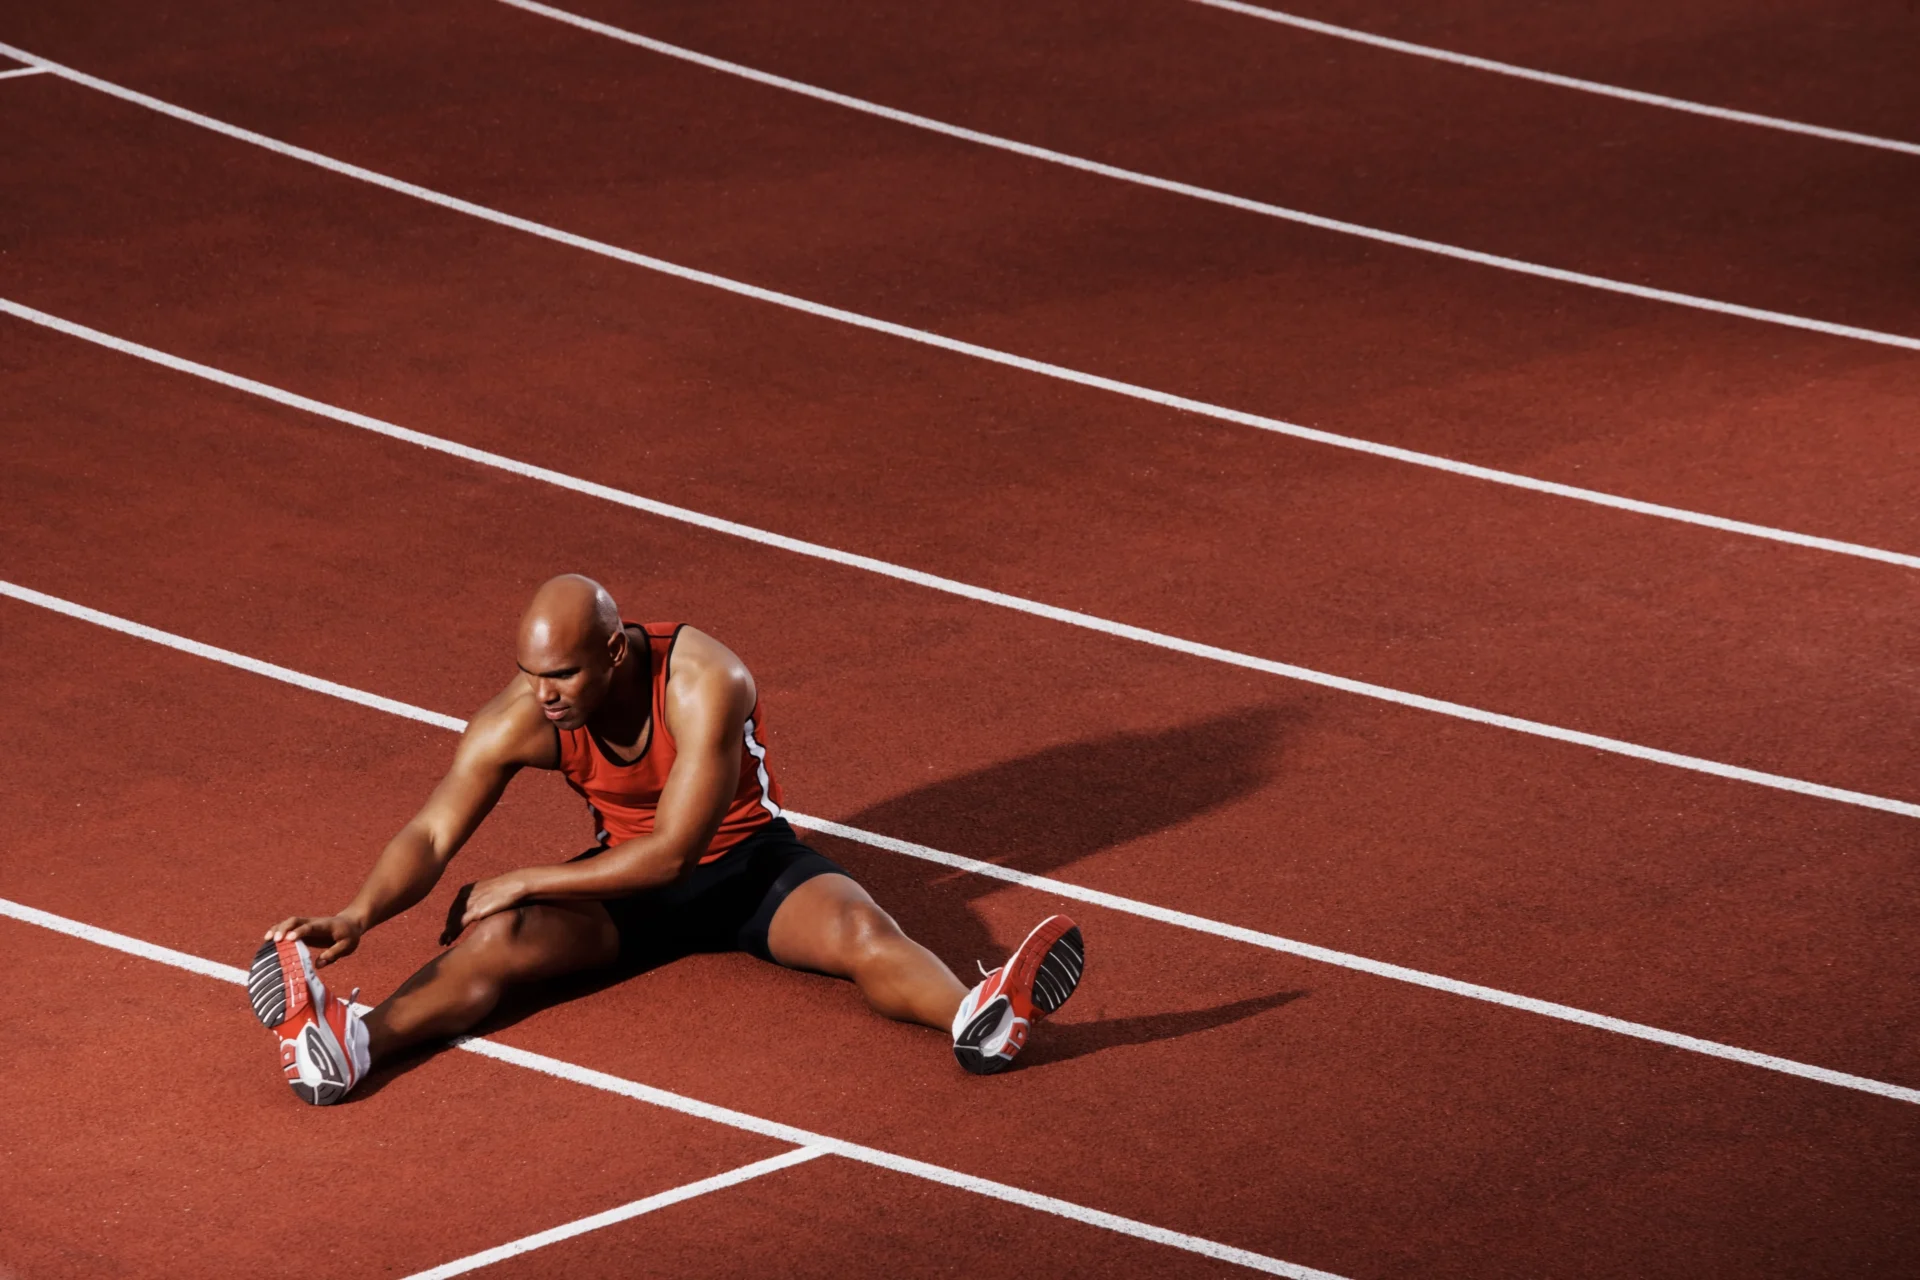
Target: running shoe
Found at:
x=1037, y=978
x=323, y=1042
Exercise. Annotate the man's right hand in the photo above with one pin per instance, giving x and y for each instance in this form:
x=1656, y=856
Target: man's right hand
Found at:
x=339, y=934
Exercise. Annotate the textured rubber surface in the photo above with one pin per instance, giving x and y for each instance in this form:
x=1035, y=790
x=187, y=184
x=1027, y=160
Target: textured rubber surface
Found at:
x=983, y=1027
x=1419, y=1136
x=1379, y=1081
x=268, y=985
x=319, y=1052
x=277, y=989
x=1060, y=970
x=1039, y=977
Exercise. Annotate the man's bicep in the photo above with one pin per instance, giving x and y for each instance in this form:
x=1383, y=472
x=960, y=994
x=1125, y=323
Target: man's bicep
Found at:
x=706, y=768
x=473, y=784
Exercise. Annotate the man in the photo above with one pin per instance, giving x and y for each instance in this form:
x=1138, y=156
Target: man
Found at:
x=659, y=728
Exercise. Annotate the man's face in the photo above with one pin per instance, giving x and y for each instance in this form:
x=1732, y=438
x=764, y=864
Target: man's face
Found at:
x=570, y=681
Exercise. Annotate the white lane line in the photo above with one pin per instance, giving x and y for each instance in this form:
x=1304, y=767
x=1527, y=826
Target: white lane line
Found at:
x=121, y=942
x=900, y=1164
x=1362, y=964
x=1047, y=884
x=346, y=693
x=22, y=71
x=991, y=355
x=1563, y=82
x=561, y=1069
x=580, y=1227
x=983, y=595
x=1282, y=212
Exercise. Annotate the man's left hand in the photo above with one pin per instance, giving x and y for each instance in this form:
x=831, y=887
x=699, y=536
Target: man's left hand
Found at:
x=483, y=898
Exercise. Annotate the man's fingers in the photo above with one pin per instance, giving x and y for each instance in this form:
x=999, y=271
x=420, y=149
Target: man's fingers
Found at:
x=279, y=931
x=308, y=928
x=456, y=915
x=333, y=952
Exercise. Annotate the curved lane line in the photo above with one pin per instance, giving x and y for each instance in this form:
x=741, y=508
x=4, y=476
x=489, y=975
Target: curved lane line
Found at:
x=1282, y=212
x=1045, y=884
x=1559, y=81
x=992, y=355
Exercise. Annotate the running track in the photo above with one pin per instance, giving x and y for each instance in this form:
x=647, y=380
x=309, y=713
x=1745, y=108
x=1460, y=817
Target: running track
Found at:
x=1311, y=1114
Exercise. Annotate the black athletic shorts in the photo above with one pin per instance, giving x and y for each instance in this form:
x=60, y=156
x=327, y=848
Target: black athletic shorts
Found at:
x=723, y=905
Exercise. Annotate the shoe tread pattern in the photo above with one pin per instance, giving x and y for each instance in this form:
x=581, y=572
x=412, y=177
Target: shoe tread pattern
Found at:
x=267, y=986
x=966, y=1047
x=333, y=1072
x=1059, y=971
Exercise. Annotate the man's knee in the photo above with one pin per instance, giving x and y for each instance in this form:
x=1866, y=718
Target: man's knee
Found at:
x=491, y=943
x=866, y=932
x=523, y=944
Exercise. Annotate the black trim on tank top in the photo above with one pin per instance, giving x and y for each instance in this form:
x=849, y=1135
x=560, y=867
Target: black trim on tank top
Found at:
x=672, y=640
x=660, y=721
x=595, y=742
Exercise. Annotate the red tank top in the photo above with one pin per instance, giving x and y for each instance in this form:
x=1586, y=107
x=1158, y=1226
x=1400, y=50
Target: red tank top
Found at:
x=623, y=798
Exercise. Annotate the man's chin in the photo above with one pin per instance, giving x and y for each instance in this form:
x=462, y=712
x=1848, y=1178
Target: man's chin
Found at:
x=570, y=721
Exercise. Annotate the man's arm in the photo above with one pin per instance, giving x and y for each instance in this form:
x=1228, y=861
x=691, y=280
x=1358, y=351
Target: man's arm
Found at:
x=507, y=734
x=707, y=705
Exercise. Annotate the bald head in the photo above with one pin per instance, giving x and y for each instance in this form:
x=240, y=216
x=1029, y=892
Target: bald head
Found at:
x=569, y=611
x=571, y=640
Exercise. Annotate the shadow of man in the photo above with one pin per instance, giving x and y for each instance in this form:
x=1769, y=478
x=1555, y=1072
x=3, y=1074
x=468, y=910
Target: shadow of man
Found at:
x=1045, y=811
x=1078, y=1039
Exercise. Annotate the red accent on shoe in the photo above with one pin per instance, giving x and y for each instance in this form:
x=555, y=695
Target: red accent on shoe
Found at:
x=1016, y=977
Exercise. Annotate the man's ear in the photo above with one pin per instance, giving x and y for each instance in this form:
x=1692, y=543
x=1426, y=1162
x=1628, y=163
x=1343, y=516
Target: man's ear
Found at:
x=617, y=645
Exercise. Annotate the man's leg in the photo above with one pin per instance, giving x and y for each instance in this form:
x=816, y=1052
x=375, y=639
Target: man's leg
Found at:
x=831, y=926
x=461, y=985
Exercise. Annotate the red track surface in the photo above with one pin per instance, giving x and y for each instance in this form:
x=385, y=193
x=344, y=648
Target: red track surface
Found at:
x=1336, y=1120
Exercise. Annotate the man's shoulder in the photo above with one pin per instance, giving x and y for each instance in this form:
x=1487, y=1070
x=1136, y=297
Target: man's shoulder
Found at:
x=708, y=675
x=698, y=654
x=511, y=729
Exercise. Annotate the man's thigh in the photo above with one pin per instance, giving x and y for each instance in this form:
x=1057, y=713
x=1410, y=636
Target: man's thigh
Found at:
x=552, y=939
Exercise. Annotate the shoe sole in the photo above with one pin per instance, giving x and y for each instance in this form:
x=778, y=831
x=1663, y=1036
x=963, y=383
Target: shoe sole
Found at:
x=966, y=1047
x=1049, y=978
x=325, y=1053
x=267, y=985
x=267, y=980
x=1058, y=976
x=1055, y=978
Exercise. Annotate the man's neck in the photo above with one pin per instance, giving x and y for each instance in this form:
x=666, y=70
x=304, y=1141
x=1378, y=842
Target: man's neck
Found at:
x=622, y=720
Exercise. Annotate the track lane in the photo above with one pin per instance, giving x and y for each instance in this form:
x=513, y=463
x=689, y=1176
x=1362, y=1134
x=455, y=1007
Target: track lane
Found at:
x=1467, y=852
x=1358, y=1105
x=1389, y=607
x=1721, y=1244
x=1499, y=379
x=1574, y=172
x=148, y=1132
x=835, y=1218
x=1622, y=93
x=1798, y=58
x=1049, y=886
x=1574, y=190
